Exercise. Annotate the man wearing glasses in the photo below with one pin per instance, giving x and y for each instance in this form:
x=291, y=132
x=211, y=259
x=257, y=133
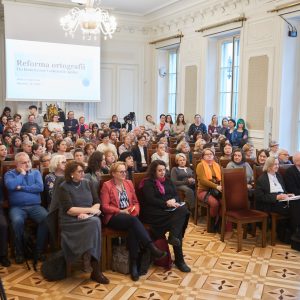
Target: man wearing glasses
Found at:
x=24, y=186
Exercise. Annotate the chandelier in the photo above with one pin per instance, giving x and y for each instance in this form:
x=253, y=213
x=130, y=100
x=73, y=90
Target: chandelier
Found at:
x=91, y=19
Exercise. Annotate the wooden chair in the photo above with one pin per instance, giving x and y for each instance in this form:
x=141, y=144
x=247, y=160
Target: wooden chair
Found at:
x=172, y=150
x=150, y=152
x=251, y=162
x=172, y=162
x=224, y=162
x=235, y=207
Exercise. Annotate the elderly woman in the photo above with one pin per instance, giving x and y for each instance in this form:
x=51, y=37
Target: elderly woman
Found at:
x=248, y=149
x=261, y=157
x=45, y=160
x=184, y=147
x=238, y=160
x=162, y=209
x=161, y=154
x=79, y=211
x=209, y=183
x=183, y=178
x=126, y=146
x=120, y=207
x=56, y=169
x=270, y=191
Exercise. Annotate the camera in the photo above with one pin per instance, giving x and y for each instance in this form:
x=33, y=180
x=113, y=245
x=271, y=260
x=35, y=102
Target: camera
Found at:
x=130, y=117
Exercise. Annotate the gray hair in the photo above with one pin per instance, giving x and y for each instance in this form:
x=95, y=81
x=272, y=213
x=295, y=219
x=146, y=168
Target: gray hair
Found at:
x=20, y=154
x=55, y=160
x=270, y=161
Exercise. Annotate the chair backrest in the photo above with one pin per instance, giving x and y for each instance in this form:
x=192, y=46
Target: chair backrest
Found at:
x=251, y=162
x=172, y=162
x=36, y=164
x=137, y=178
x=224, y=162
x=5, y=167
x=257, y=171
x=150, y=152
x=235, y=192
x=172, y=150
x=44, y=171
x=282, y=169
x=104, y=178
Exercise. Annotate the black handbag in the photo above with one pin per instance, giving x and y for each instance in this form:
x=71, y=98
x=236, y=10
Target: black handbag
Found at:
x=55, y=267
x=215, y=193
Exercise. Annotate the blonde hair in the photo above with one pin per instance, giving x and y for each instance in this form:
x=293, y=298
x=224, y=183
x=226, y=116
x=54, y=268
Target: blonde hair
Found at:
x=114, y=167
x=178, y=155
x=55, y=160
x=178, y=148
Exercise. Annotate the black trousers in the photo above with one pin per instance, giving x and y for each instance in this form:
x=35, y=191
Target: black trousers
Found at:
x=3, y=234
x=136, y=232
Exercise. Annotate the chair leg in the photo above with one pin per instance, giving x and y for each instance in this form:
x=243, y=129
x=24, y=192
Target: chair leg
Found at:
x=239, y=236
x=208, y=220
x=273, y=231
x=69, y=269
x=223, y=228
x=196, y=211
x=264, y=233
x=253, y=231
x=108, y=253
x=104, y=253
x=245, y=227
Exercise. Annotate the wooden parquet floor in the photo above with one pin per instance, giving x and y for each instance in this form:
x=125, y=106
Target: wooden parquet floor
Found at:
x=218, y=273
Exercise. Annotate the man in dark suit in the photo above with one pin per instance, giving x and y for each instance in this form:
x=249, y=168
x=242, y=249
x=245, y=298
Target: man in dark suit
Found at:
x=140, y=154
x=292, y=176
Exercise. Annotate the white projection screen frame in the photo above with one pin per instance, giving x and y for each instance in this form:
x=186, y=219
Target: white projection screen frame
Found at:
x=42, y=64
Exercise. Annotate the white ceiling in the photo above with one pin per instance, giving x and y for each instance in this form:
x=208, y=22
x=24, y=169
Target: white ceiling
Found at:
x=138, y=7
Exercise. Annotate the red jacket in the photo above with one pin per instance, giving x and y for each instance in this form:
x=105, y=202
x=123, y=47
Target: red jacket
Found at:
x=110, y=203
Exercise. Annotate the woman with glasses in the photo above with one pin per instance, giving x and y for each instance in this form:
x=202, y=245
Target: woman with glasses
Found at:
x=209, y=183
x=121, y=208
x=79, y=210
x=57, y=169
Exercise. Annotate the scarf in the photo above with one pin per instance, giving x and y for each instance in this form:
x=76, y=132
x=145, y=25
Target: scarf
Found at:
x=158, y=183
x=208, y=172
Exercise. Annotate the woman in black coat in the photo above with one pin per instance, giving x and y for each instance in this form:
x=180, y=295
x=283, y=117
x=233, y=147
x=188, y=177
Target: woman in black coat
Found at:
x=162, y=210
x=270, y=191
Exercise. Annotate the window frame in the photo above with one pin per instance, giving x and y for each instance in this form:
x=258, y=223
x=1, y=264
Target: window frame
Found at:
x=173, y=114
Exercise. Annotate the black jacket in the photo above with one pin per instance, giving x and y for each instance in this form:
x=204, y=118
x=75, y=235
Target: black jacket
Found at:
x=137, y=157
x=292, y=180
x=264, y=199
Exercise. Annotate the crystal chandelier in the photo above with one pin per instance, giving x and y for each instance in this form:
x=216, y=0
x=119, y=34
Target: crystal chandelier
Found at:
x=92, y=20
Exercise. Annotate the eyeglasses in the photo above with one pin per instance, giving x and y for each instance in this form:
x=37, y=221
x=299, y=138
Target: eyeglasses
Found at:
x=24, y=162
x=122, y=172
x=46, y=160
x=206, y=154
x=63, y=162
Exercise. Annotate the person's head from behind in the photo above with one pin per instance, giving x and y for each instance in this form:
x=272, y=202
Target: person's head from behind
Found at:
x=180, y=160
x=118, y=171
x=23, y=161
x=74, y=171
x=271, y=165
x=157, y=170
x=262, y=156
x=79, y=155
x=57, y=163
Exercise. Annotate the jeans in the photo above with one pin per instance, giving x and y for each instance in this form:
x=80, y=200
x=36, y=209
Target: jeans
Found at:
x=38, y=214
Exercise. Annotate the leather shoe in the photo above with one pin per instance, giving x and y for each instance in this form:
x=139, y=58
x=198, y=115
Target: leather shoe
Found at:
x=157, y=253
x=134, y=274
x=183, y=267
x=4, y=261
x=174, y=241
x=19, y=259
x=99, y=277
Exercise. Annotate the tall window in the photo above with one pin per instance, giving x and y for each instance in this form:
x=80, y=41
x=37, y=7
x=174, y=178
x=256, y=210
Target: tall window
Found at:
x=229, y=76
x=172, y=86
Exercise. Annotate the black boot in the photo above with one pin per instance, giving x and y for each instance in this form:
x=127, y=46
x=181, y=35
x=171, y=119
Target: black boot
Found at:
x=157, y=253
x=179, y=260
x=97, y=274
x=134, y=270
x=174, y=241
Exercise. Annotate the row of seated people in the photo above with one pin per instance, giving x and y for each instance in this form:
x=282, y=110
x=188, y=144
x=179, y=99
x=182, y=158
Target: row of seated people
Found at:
x=79, y=207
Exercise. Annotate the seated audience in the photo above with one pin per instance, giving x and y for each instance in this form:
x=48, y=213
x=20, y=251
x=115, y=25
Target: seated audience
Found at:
x=61, y=149
x=106, y=145
x=197, y=126
x=163, y=125
x=284, y=157
x=292, y=176
x=17, y=144
x=127, y=158
x=18, y=124
x=161, y=154
x=24, y=186
x=223, y=130
x=3, y=153
x=273, y=149
x=115, y=124
x=240, y=135
x=180, y=126
x=184, y=147
x=113, y=137
x=214, y=129
x=80, y=224
x=31, y=123
x=261, y=157
x=209, y=183
x=71, y=124
x=161, y=209
x=79, y=156
x=126, y=146
x=89, y=149
x=33, y=110
x=121, y=208
x=230, y=130
x=139, y=153
x=248, y=149
x=110, y=158
x=183, y=178
x=37, y=151
x=56, y=169
x=270, y=191
x=86, y=136
x=49, y=146
x=199, y=142
x=150, y=124
x=227, y=152
x=45, y=160
x=81, y=126
x=238, y=160
x=4, y=261
x=27, y=147
x=55, y=125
